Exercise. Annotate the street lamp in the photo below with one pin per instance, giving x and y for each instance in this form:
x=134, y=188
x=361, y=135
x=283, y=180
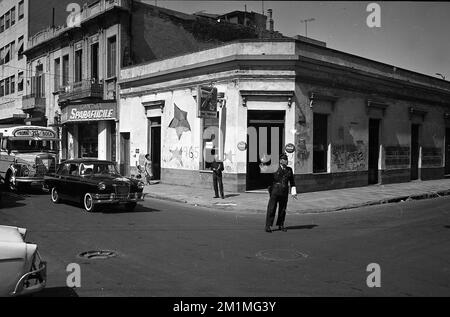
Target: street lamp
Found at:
x=306, y=24
x=442, y=76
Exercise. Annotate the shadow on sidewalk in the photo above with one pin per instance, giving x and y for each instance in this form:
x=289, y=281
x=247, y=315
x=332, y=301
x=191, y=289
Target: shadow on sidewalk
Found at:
x=231, y=195
x=302, y=227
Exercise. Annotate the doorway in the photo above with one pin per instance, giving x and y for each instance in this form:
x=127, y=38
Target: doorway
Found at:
x=265, y=140
x=415, y=151
x=374, y=148
x=447, y=151
x=125, y=153
x=154, y=145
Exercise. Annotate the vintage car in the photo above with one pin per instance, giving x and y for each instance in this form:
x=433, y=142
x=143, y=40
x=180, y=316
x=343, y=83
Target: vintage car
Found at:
x=93, y=183
x=22, y=271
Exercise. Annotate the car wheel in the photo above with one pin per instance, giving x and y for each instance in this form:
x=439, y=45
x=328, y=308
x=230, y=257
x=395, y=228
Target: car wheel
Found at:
x=55, y=196
x=88, y=203
x=130, y=206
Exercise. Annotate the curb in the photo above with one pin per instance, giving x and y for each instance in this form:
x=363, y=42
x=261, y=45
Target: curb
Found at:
x=421, y=196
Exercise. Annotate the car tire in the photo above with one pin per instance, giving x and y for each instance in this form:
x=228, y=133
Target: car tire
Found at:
x=54, y=196
x=130, y=206
x=9, y=184
x=88, y=203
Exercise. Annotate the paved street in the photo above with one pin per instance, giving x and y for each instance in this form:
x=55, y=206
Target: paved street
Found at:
x=172, y=249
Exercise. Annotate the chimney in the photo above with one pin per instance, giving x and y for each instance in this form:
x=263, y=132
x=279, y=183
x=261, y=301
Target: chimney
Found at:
x=269, y=11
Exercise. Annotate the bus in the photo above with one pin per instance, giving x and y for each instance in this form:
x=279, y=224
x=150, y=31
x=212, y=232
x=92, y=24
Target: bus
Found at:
x=27, y=153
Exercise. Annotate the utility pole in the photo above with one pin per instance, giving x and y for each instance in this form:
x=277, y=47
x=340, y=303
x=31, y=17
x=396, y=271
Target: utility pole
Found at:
x=306, y=24
x=442, y=76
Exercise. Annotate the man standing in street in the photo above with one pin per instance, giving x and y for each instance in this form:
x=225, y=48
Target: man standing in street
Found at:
x=283, y=183
x=217, y=168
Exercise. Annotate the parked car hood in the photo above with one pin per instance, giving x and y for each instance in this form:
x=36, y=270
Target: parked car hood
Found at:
x=12, y=234
x=110, y=178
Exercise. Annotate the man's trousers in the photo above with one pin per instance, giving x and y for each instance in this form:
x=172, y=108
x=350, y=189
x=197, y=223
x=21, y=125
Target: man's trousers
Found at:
x=281, y=201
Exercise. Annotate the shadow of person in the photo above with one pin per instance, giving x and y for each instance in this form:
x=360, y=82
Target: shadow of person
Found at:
x=122, y=209
x=448, y=227
x=56, y=292
x=301, y=227
x=231, y=195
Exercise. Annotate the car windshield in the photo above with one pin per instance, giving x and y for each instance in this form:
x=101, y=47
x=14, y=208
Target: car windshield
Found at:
x=98, y=168
x=31, y=145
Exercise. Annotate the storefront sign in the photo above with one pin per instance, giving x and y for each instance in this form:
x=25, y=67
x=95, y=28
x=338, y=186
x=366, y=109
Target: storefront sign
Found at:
x=207, y=102
x=290, y=148
x=89, y=112
x=35, y=133
x=242, y=146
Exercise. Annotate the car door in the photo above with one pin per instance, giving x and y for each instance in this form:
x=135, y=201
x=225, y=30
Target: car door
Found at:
x=60, y=180
x=73, y=181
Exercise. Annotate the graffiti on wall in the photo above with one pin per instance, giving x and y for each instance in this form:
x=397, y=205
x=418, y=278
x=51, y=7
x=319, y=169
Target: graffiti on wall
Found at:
x=179, y=121
x=396, y=157
x=431, y=157
x=349, y=157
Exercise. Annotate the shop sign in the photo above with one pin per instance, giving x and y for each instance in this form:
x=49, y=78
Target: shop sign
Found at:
x=35, y=133
x=207, y=102
x=242, y=146
x=89, y=112
x=290, y=148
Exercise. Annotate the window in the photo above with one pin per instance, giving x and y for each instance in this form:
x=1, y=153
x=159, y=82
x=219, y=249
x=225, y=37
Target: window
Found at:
x=21, y=14
x=13, y=16
x=20, y=81
x=2, y=88
x=94, y=61
x=56, y=75
x=2, y=23
x=78, y=65
x=2, y=51
x=13, y=84
x=210, y=140
x=6, y=86
x=6, y=54
x=7, y=20
x=111, y=71
x=65, y=75
x=20, y=48
x=320, y=143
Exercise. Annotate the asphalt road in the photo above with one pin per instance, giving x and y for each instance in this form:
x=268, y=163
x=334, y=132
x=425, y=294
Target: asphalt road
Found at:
x=170, y=249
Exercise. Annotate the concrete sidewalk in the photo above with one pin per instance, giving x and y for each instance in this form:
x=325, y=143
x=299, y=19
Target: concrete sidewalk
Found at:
x=314, y=202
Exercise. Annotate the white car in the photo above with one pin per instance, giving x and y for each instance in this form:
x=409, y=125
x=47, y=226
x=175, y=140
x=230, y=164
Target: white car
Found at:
x=22, y=271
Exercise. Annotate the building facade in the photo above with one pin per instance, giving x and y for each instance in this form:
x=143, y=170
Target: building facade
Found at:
x=16, y=26
x=344, y=121
x=74, y=70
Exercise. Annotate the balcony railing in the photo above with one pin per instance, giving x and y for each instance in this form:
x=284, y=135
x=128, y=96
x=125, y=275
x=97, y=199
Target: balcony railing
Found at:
x=80, y=90
x=33, y=101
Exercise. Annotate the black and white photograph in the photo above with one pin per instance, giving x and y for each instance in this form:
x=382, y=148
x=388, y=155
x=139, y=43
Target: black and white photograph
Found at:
x=224, y=155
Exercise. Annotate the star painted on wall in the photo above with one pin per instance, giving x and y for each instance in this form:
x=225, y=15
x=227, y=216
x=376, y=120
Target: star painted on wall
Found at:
x=179, y=121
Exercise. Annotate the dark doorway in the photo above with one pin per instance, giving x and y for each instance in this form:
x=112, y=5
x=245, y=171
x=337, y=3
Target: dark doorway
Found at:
x=320, y=143
x=154, y=145
x=125, y=153
x=374, y=148
x=265, y=140
x=447, y=151
x=415, y=151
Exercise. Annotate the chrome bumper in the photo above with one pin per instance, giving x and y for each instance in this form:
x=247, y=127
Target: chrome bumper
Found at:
x=114, y=199
x=33, y=281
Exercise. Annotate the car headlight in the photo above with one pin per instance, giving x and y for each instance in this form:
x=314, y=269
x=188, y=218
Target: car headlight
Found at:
x=101, y=186
x=141, y=185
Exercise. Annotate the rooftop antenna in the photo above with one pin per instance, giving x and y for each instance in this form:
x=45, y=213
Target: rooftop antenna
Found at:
x=262, y=3
x=442, y=76
x=306, y=24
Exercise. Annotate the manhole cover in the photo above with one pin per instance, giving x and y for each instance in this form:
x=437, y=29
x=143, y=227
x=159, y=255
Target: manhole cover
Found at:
x=281, y=255
x=97, y=254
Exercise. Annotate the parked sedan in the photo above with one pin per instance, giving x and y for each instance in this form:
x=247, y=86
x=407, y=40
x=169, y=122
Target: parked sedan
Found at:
x=22, y=271
x=93, y=183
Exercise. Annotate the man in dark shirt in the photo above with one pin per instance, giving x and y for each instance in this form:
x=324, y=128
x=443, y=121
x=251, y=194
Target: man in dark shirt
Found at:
x=217, y=168
x=279, y=193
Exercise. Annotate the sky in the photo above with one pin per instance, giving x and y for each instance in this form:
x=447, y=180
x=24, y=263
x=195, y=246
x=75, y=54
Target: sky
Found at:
x=412, y=35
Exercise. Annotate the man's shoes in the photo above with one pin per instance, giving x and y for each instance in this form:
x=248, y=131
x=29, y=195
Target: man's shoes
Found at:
x=282, y=228
x=268, y=229
x=223, y=197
